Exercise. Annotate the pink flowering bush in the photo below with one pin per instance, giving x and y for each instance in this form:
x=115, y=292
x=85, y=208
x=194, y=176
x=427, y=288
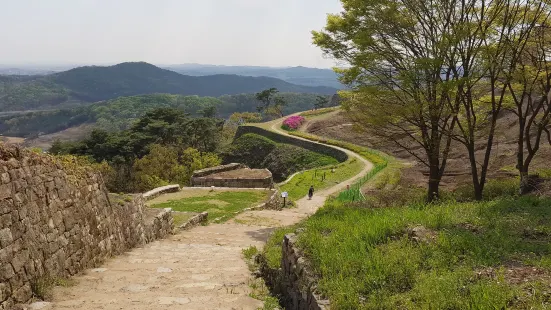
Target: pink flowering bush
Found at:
x=293, y=122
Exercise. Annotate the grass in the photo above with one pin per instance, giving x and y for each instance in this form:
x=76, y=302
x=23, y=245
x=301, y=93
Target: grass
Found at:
x=259, y=290
x=272, y=249
x=365, y=259
x=221, y=206
x=319, y=112
x=379, y=160
x=42, y=288
x=298, y=186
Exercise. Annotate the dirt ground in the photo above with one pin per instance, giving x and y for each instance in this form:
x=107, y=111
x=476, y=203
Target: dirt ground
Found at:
x=502, y=164
x=71, y=134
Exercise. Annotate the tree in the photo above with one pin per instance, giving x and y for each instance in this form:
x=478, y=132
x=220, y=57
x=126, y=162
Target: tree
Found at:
x=321, y=102
x=245, y=117
x=491, y=39
x=265, y=97
x=204, y=133
x=276, y=110
x=530, y=88
x=399, y=74
x=209, y=112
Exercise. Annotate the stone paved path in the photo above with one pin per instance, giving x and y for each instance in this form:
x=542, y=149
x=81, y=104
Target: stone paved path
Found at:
x=198, y=269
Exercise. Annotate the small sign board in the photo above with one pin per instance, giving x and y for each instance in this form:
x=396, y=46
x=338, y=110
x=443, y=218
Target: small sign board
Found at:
x=284, y=195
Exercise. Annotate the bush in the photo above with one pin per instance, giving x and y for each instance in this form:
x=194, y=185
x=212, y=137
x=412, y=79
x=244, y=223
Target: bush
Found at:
x=293, y=122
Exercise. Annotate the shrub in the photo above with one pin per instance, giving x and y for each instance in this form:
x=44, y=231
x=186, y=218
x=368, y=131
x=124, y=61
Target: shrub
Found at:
x=293, y=122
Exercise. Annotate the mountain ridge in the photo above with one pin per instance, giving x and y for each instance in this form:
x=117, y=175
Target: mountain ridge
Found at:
x=96, y=83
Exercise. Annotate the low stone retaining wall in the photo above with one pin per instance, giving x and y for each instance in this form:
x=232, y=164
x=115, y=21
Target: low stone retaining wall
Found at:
x=218, y=169
x=154, y=193
x=311, y=146
x=194, y=221
x=273, y=203
x=266, y=182
x=298, y=283
x=158, y=226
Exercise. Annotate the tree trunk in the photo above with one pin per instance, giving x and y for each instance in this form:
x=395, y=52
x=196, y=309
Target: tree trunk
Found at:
x=478, y=190
x=477, y=186
x=524, y=186
x=434, y=183
x=433, y=192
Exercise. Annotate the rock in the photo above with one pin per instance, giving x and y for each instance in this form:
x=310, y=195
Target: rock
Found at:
x=422, y=234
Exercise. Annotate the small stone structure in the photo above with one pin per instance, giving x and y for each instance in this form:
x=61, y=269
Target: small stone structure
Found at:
x=57, y=219
x=298, y=283
x=154, y=193
x=194, y=221
x=232, y=175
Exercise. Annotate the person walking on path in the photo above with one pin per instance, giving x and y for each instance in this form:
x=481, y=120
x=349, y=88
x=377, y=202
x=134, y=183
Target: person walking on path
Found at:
x=311, y=192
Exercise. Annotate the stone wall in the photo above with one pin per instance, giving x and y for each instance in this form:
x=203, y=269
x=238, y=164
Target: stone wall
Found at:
x=211, y=177
x=298, y=283
x=266, y=182
x=311, y=146
x=194, y=221
x=154, y=193
x=217, y=169
x=56, y=219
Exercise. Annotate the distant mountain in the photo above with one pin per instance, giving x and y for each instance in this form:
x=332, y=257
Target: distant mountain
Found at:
x=95, y=83
x=296, y=75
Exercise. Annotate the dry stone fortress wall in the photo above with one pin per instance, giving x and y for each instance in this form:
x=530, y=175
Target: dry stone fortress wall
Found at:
x=57, y=219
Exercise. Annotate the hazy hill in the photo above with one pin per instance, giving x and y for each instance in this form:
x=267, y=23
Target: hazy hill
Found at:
x=120, y=113
x=296, y=75
x=92, y=84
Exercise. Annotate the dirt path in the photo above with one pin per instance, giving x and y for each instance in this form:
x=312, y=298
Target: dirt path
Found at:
x=198, y=269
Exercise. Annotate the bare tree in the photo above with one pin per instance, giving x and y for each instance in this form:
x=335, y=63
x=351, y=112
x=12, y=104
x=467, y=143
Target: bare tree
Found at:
x=530, y=90
x=492, y=37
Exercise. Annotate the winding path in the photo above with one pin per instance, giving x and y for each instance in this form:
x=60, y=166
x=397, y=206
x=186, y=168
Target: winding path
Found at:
x=198, y=269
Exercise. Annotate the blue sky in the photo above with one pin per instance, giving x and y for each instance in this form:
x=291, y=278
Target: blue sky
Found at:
x=221, y=32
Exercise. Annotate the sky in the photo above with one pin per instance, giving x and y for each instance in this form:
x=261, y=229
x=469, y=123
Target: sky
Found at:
x=219, y=32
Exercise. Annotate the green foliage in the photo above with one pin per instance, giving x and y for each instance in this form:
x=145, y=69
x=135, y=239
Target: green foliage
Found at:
x=28, y=93
x=42, y=288
x=321, y=102
x=287, y=159
x=250, y=252
x=494, y=189
x=250, y=149
x=220, y=206
x=281, y=159
x=367, y=261
x=122, y=113
x=164, y=146
x=272, y=249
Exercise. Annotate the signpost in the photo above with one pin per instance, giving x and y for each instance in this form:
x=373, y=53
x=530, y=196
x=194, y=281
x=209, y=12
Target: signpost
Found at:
x=284, y=196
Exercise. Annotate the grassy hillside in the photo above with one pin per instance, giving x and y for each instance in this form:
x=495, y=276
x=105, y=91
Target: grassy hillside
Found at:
x=487, y=255
x=91, y=84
